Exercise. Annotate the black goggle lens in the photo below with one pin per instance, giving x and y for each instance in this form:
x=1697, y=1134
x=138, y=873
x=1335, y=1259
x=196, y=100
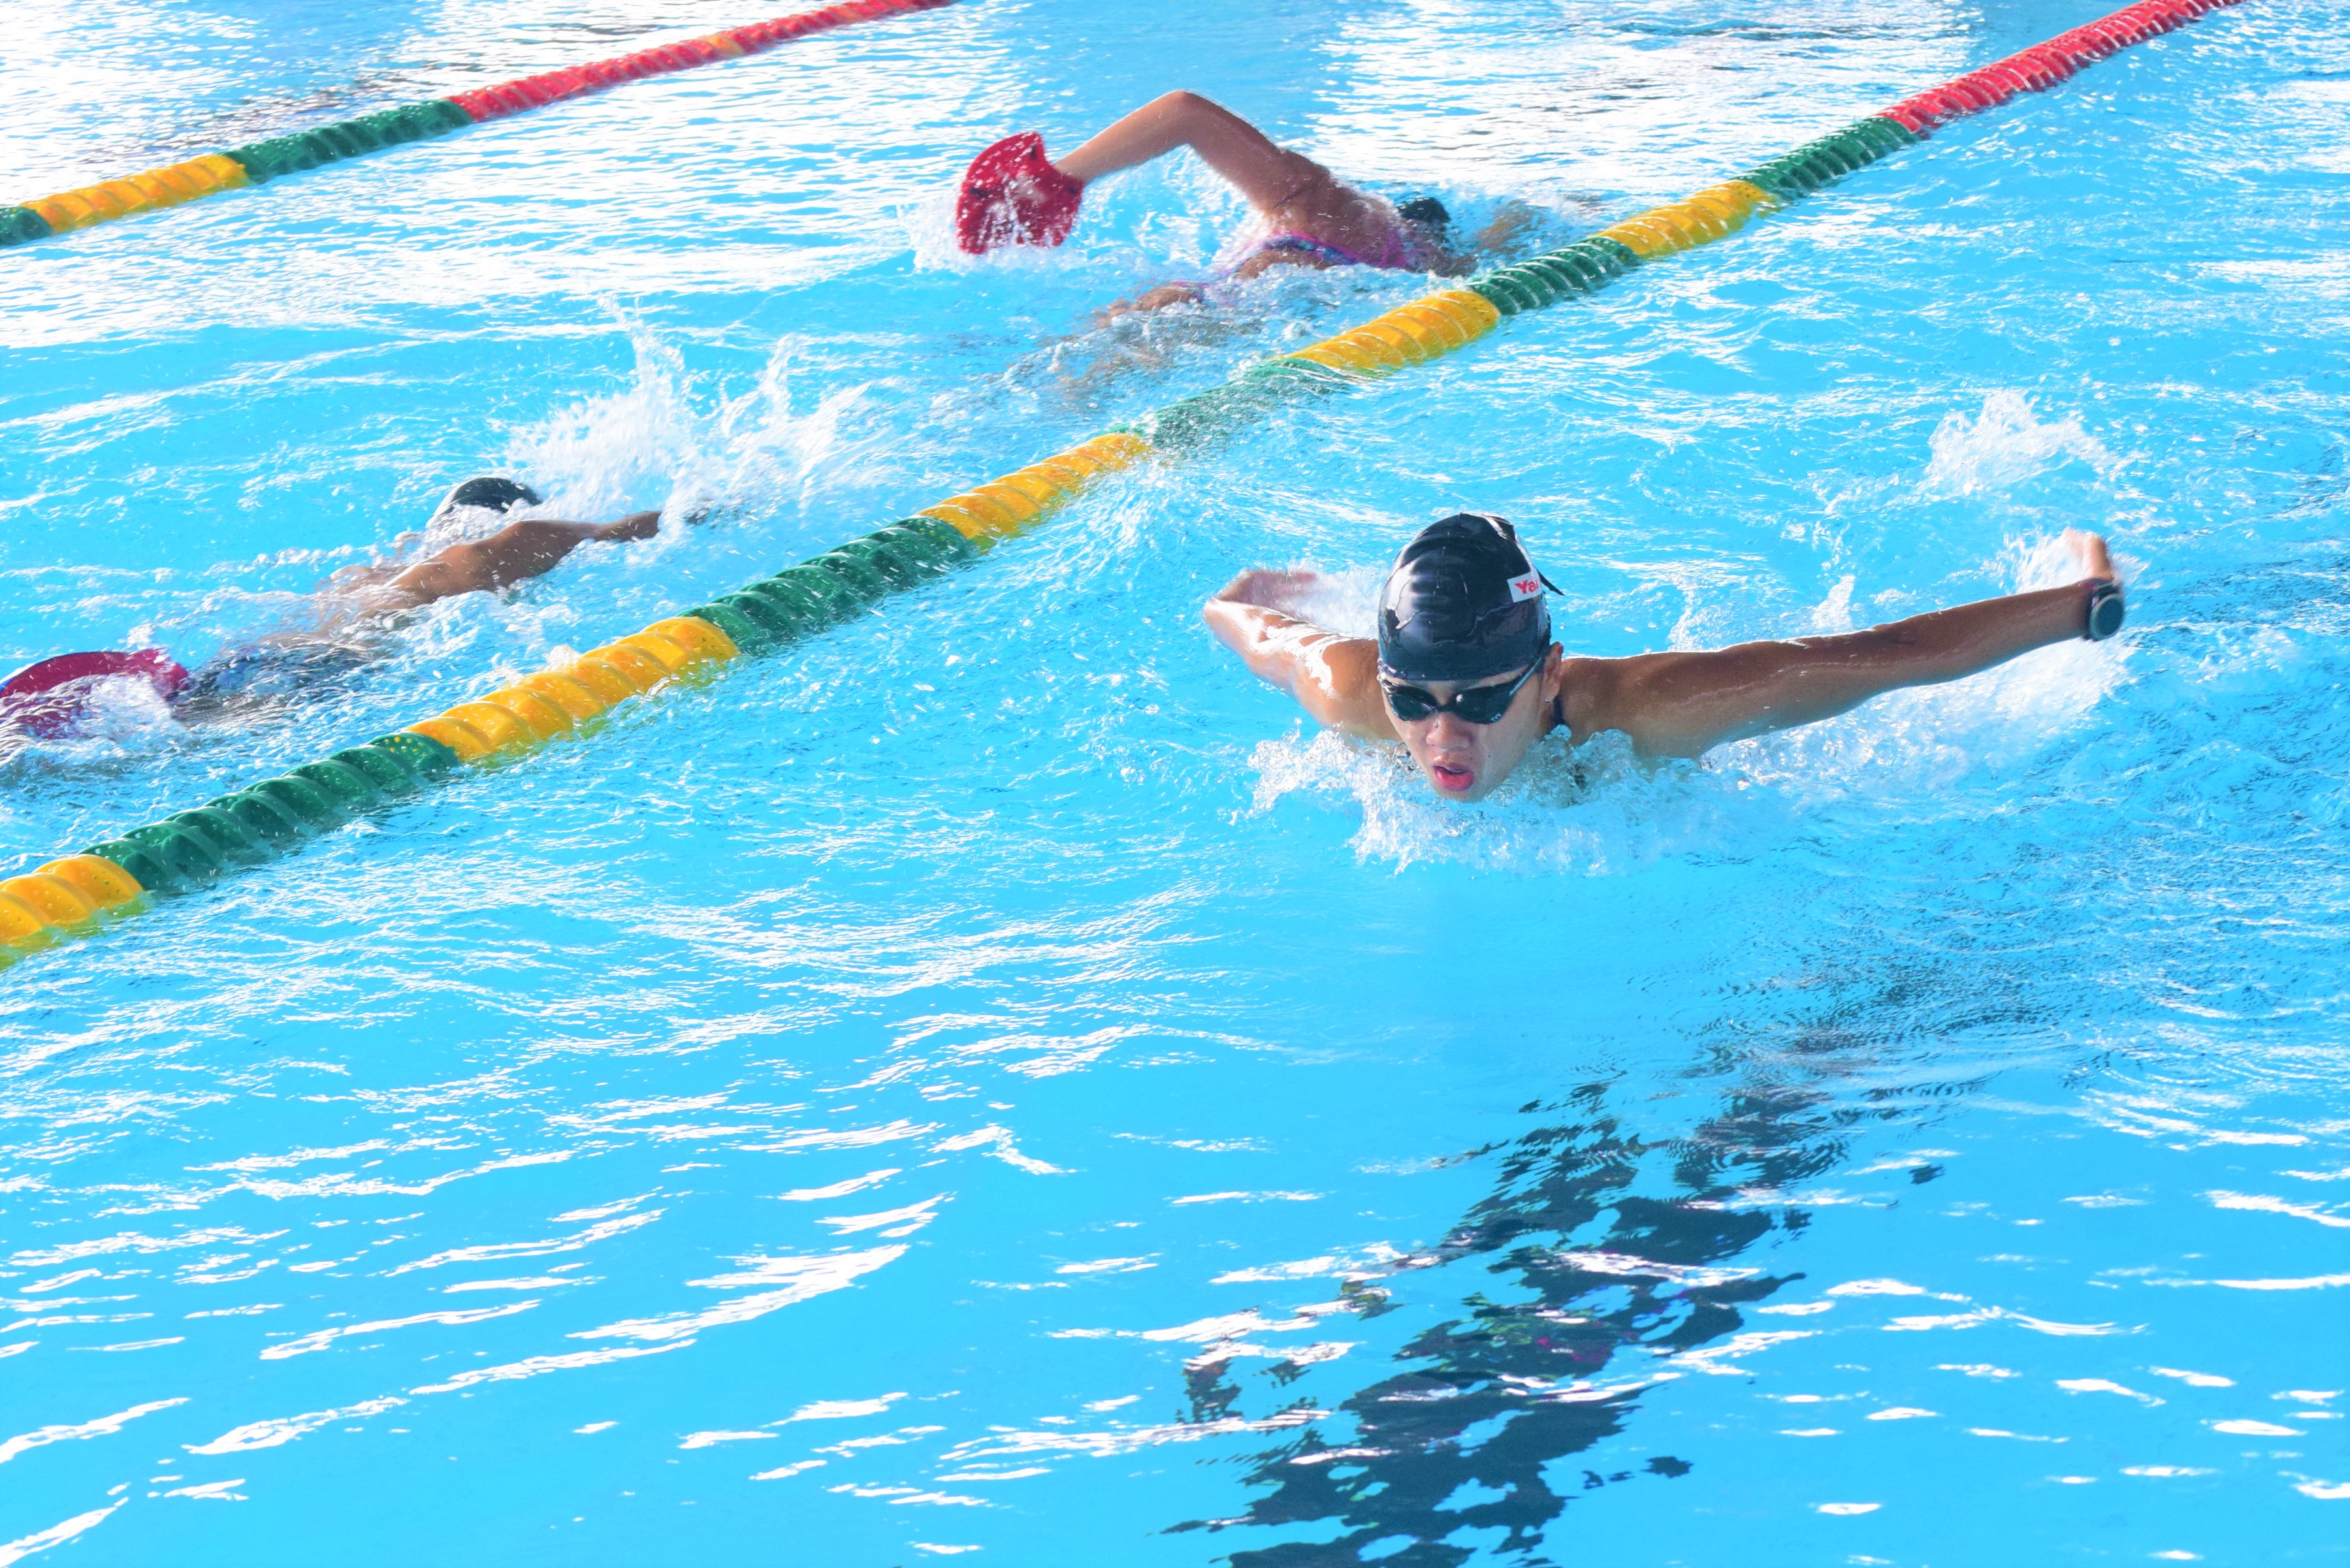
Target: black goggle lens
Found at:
x=1477, y=705
x=1410, y=703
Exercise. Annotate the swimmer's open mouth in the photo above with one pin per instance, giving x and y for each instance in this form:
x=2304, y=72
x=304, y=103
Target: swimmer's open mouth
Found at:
x=1452, y=779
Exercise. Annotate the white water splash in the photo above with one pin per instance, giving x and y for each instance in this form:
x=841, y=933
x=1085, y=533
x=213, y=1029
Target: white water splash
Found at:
x=1600, y=812
x=771, y=453
x=597, y=457
x=2005, y=445
x=666, y=440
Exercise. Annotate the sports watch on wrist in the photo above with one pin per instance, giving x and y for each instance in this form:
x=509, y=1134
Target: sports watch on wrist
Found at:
x=2107, y=610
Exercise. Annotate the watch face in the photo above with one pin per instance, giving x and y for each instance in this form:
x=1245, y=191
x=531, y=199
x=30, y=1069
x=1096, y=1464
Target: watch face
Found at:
x=2106, y=614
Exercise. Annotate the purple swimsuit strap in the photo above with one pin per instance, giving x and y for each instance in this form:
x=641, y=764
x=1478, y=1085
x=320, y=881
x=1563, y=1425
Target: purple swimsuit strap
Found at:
x=1306, y=244
x=1397, y=254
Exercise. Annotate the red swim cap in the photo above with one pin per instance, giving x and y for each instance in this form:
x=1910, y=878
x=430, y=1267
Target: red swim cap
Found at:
x=1012, y=195
x=45, y=699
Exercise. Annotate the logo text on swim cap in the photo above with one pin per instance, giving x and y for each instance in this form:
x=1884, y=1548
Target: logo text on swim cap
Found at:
x=1526, y=587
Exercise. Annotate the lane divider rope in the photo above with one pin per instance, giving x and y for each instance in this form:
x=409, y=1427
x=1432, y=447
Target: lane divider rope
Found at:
x=191, y=850
x=265, y=160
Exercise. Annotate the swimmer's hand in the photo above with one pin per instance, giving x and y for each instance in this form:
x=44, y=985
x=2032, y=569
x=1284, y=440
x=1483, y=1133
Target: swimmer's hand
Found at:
x=1500, y=235
x=1151, y=299
x=2089, y=549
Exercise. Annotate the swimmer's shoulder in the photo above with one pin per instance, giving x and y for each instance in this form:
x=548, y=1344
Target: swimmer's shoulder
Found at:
x=1357, y=707
x=1647, y=697
x=1590, y=691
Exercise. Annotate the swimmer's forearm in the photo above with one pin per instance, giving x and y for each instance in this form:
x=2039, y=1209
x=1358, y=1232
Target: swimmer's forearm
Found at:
x=1172, y=119
x=1507, y=227
x=1682, y=704
x=1952, y=644
x=1281, y=591
x=1831, y=675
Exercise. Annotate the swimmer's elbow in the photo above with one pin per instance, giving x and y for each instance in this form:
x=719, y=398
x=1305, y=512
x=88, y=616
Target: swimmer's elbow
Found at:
x=1235, y=622
x=1184, y=101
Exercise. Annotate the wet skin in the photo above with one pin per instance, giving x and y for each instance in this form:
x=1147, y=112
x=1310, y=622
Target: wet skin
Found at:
x=1290, y=193
x=1678, y=704
x=353, y=607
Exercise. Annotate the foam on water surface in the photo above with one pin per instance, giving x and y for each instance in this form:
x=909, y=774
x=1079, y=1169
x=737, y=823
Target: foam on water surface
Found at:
x=992, y=1083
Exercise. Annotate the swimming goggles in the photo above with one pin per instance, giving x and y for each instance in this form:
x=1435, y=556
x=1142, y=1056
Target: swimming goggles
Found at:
x=1477, y=705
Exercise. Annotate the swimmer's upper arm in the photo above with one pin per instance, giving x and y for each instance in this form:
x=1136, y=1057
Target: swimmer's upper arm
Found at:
x=1333, y=678
x=1683, y=704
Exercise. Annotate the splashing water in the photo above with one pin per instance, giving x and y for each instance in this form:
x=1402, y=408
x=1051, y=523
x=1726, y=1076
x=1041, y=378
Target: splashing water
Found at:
x=2006, y=446
x=987, y=1083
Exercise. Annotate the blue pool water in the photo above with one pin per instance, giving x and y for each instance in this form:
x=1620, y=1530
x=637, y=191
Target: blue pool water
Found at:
x=989, y=1080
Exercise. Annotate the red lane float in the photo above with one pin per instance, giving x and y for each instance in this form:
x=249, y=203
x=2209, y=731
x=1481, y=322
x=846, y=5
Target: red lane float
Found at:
x=2044, y=64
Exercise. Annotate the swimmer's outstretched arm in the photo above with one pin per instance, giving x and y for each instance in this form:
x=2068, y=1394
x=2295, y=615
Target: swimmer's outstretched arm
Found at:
x=1679, y=704
x=1230, y=145
x=515, y=554
x=1334, y=678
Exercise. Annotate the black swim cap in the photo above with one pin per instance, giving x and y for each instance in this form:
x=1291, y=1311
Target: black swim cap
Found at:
x=1462, y=602
x=1425, y=210
x=492, y=492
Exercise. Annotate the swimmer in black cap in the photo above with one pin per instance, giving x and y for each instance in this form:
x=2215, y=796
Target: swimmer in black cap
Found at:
x=1465, y=674
x=349, y=614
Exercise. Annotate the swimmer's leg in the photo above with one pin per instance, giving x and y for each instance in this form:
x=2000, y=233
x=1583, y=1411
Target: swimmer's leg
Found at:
x=1269, y=177
x=515, y=554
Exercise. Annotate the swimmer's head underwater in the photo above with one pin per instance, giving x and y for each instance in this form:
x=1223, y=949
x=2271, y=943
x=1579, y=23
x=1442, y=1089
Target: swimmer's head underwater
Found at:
x=1464, y=672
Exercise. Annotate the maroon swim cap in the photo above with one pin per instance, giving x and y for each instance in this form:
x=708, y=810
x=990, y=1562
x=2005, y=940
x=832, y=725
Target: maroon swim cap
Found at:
x=47, y=698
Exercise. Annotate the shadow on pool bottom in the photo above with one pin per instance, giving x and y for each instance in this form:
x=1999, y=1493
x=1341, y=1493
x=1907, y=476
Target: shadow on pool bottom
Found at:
x=1470, y=1435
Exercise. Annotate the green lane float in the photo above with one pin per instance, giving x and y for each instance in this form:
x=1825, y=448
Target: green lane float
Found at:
x=267, y=161
x=191, y=850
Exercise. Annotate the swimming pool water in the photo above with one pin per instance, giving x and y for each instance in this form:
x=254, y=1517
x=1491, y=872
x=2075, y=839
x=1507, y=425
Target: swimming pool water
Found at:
x=990, y=1081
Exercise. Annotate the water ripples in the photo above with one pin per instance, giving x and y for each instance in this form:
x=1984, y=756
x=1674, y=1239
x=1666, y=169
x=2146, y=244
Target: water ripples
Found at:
x=991, y=1081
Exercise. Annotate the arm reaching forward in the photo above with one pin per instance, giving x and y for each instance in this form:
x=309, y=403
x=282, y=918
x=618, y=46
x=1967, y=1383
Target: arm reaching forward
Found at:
x=1334, y=678
x=1679, y=704
x=1670, y=704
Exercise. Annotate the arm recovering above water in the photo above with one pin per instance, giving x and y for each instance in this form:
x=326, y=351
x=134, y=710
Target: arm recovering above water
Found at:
x=1682, y=704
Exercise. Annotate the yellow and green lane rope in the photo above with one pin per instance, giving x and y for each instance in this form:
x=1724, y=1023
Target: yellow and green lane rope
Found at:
x=191, y=849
